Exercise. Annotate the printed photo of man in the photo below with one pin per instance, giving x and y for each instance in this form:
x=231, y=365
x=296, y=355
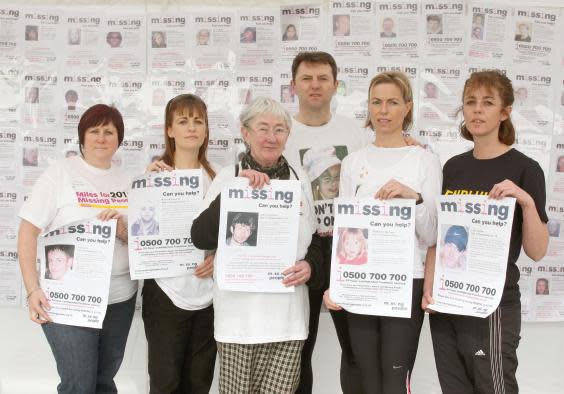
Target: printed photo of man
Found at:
x=60, y=259
x=242, y=229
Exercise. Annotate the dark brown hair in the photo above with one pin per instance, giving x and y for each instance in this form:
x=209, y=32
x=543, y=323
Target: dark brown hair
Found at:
x=99, y=115
x=186, y=103
x=400, y=80
x=492, y=81
x=316, y=58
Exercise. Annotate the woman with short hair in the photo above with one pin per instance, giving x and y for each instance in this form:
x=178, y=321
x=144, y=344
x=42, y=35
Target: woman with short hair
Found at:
x=256, y=326
x=87, y=358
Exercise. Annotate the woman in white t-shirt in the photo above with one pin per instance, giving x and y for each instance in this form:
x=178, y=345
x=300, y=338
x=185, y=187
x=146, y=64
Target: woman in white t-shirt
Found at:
x=178, y=312
x=385, y=347
x=87, y=358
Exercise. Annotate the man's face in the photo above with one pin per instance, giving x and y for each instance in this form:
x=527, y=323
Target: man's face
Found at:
x=58, y=263
x=203, y=37
x=241, y=232
x=388, y=26
x=342, y=25
x=542, y=287
x=314, y=85
x=433, y=26
x=114, y=40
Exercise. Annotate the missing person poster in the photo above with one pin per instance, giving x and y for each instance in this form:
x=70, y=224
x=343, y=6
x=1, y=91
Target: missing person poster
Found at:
x=257, y=236
x=472, y=249
x=373, y=255
x=75, y=270
x=161, y=208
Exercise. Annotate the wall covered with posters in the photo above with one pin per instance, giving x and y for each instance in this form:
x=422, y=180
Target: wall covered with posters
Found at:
x=58, y=58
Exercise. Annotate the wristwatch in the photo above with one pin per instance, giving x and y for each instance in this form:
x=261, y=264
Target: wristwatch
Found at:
x=419, y=199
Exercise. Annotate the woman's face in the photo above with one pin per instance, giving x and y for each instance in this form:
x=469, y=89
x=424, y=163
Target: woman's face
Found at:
x=188, y=132
x=353, y=246
x=147, y=213
x=542, y=287
x=291, y=33
x=329, y=182
x=286, y=95
x=523, y=30
x=266, y=135
x=248, y=36
x=32, y=95
x=560, y=164
x=387, y=108
x=100, y=144
x=159, y=39
x=450, y=255
x=483, y=112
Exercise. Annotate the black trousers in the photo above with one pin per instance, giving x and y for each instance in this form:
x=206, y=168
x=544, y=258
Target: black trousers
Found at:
x=385, y=347
x=477, y=355
x=182, y=348
x=349, y=372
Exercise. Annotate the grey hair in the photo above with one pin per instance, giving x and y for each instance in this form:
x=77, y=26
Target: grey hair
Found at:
x=264, y=105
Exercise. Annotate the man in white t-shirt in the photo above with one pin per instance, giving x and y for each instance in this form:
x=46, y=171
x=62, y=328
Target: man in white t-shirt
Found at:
x=328, y=138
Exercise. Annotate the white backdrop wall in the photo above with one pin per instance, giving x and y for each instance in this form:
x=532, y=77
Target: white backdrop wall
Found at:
x=56, y=60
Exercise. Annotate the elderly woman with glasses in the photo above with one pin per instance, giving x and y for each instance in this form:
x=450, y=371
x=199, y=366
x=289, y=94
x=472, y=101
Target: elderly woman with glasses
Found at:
x=259, y=335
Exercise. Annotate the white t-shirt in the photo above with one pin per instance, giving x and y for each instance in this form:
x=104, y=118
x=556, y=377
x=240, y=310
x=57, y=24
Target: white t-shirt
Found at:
x=319, y=151
x=189, y=292
x=70, y=190
x=364, y=172
x=247, y=318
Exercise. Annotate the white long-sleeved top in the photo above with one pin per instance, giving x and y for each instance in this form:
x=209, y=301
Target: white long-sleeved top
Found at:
x=364, y=172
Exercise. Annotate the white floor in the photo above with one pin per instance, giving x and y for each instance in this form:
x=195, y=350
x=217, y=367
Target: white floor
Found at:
x=26, y=364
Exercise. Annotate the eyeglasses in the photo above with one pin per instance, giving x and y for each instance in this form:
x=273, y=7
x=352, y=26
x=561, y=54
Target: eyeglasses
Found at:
x=264, y=131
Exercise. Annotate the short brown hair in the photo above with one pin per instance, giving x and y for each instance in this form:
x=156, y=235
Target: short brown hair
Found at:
x=100, y=115
x=492, y=81
x=400, y=80
x=186, y=103
x=316, y=58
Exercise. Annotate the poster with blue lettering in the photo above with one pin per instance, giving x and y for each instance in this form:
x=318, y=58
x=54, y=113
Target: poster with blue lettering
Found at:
x=161, y=208
x=258, y=235
x=373, y=256
x=75, y=270
x=474, y=234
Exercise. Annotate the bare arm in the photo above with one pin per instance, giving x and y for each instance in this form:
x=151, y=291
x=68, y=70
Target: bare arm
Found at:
x=27, y=253
x=535, y=232
x=429, y=278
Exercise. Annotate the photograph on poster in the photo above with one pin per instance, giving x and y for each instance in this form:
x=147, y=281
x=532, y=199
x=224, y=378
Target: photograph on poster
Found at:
x=114, y=39
x=60, y=260
x=352, y=247
x=290, y=33
x=242, y=229
x=146, y=222
x=388, y=30
x=541, y=287
x=453, y=248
